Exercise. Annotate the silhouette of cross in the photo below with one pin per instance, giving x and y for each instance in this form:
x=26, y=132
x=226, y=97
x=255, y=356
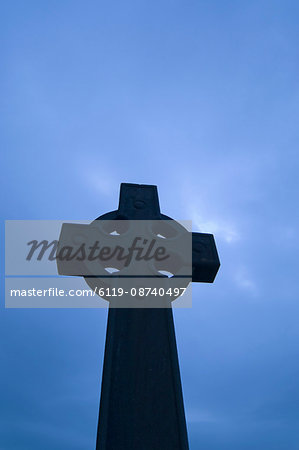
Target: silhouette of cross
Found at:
x=141, y=406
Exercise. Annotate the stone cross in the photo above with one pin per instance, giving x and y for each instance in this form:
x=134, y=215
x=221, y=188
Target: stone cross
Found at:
x=141, y=406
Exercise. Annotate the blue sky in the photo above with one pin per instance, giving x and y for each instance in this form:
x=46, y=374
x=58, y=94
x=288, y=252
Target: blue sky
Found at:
x=202, y=99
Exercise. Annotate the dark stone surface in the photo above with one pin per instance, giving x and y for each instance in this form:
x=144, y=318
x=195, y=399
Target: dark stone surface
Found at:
x=141, y=404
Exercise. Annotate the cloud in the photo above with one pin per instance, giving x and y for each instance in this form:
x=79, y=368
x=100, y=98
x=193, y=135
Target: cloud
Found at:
x=244, y=281
x=200, y=416
x=102, y=183
x=217, y=226
x=97, y=176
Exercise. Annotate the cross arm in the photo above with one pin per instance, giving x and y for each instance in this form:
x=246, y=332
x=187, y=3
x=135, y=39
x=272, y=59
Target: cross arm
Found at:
x=205, y=260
